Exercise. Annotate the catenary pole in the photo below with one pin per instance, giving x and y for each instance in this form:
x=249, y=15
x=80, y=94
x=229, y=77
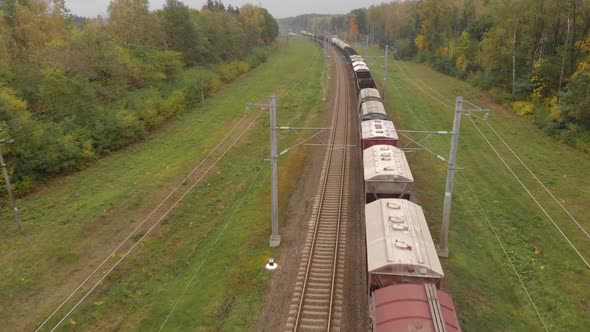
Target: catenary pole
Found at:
x=367, y=48
x=202, y=94
x=275, y=238
x=385, y=71
x=9, y=189
x=443, y=249
x=325, y=66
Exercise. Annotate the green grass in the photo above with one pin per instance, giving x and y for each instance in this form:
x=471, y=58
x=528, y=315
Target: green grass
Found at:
x=73, y=222
x=485, y=289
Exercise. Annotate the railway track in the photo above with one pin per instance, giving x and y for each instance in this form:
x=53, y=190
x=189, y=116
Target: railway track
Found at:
x=318, y=296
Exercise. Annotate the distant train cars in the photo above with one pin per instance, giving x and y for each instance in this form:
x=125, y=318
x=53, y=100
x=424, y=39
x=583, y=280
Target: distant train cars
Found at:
x=404, y=273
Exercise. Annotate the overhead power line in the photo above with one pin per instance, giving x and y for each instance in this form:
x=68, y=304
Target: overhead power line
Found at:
x=530, y=194
x=229, y=220
x=195, y=168
x=151, y=228
x=505, y=251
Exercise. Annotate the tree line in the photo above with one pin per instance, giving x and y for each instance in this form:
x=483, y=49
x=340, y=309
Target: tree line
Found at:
x=74, y=88
x=533, y=55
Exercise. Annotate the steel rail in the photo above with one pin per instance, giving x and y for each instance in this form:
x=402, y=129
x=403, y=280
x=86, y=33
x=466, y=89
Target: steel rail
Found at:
x=334, y=180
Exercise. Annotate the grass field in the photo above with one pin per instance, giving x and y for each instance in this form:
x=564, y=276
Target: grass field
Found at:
x=480, y=277
x=73, y=222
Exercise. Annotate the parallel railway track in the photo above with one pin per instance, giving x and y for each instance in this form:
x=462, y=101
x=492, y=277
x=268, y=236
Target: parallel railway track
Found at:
x=318, y=296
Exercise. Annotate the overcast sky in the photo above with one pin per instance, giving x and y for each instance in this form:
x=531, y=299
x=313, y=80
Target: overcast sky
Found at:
x=278, y=8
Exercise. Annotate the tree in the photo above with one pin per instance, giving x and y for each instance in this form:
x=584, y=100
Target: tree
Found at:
x=353, y=28
x=182, y=33
x=130, y=22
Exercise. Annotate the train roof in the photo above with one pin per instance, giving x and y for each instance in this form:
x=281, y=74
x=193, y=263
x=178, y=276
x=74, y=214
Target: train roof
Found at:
x=359, y=63
x=378, y=129
x=373, y=106
x=356, y=57
x=398, y=240
x=386, y=163
x=369, y=93
x=360, y=67
x=413, y=307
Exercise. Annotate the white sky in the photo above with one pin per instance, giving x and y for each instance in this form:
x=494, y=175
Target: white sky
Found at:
x=278, y=8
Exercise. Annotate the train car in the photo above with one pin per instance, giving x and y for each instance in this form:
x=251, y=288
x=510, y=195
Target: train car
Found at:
x=359, y=63
x=410, y=307
x=386, y=173
x=367, y=95
x=354, y=58
x=363, y=78
x=399, y=246
x=372, y=110
x=378, y=132
x=349, y=51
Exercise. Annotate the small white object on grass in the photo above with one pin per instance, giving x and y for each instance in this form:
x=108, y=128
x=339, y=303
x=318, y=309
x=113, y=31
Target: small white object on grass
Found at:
x=271, y=264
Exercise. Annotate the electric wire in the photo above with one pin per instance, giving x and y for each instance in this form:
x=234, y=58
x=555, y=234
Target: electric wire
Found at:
x=290, y=86
x=539, y=181
x=530, y=194
x=195, y=168
x=152, y=227
x=505, y=251
x=508, y=147
x=186, y=287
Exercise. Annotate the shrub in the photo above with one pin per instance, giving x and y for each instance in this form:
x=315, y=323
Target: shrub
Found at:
x=523, y=107
x=228, y=72
x=174, y=104
x=243, y=67
x=148, y=108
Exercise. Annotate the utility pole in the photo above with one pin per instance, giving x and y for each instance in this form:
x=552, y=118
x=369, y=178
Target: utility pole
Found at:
x=443, y=249
x=325, y=67
x=367, y=48
x=9, y=189
x=275, y=237
x=202, y=94
x=385, y=71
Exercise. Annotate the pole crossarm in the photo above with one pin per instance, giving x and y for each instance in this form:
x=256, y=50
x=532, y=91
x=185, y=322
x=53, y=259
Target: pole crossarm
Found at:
x=305, y=128
x=437, y=132
x=334, y=145
x=472, y=110
x=424, y=147
x=298, y=144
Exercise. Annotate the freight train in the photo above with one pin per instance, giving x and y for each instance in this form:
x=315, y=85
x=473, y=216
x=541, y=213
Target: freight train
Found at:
x=404, y=273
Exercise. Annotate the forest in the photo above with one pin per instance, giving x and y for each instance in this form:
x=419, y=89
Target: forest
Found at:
x=532, y=55
x=75, y=88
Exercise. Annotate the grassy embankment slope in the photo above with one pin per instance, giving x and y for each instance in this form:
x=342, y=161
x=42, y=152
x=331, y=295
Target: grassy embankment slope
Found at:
x=484, y=285
x=73, y=222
